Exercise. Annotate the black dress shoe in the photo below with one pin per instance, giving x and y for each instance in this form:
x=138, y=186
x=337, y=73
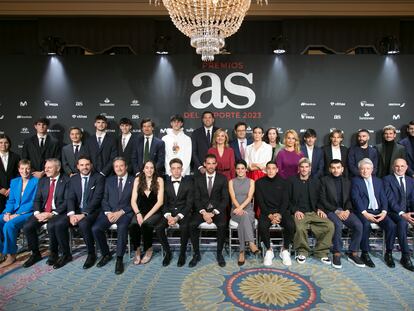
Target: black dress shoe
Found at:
x=32, y=260
x=62, y=261
x=104, y=260
x=90, y=261
x=53, y=258
x=167, y=259
x=367, y=260
x=389, y=261
x=406, y=263
x=181, y=260
x=119, y=266
x=220, y=260
x=193, y=262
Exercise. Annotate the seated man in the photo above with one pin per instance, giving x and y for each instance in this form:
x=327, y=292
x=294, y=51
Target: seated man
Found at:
x=50, y=207
x=303, y=200
x=116, y=209
x=210, y=199
x=370, y=202
x=335, y=201
x=84, y=203
x=178, y=202
x=399, y=189
x=273, y=200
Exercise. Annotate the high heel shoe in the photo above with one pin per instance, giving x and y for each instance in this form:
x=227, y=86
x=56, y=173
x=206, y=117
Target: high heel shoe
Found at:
x=241, y=260
x=254, y=249
x=147, y=257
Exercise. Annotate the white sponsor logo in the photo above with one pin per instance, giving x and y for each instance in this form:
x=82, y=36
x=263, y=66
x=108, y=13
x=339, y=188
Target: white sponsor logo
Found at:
x=307, y=104
x=336, y=104
x=306, y=116
x=396, y=117
x=48, y=103
x=135, y=116
x=79, y=116
x=332, y=129
x=135, y=103
x=367, y=116
x=337, y=117
x=135, y=130
x=23, y=104
x=401, y=105
x=53, y=131
x=163, y=131
x=78, y=103
x=110, y=130
x=215, y=91
x=107, y=103
x=2, y=117
x=20, y=146
x=24, y=130
x=51, y=117
x=107, y=116
x=279, y=130
x=364, y=103
x=190, y=130
x=302, y=130
x=23, y=117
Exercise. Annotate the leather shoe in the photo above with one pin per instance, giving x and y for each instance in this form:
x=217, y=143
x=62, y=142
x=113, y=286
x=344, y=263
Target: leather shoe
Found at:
x=167, y=259
x=406, y=263
x=367, y=260
x=62, y=261
x=104, y=260
x=389, y=261
x=90, y=261
x=35, y=257
x=53, y=258
x=196, y=258
x=220, y=260
x=181, y=260
x=119, y=266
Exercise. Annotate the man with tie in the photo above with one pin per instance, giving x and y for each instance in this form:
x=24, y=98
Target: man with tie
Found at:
x=39, y=147
x=148, y=147
x=50, y=207
x=400, y=194
x=201, y=141
x=211, y=197
x=360, y=151
x=101, y=147
x=126, y=141
x=116, y=209
x=241, y=142
x=72, y=151
x=178, y=202
x=408, y=143
x=84, y=203
x=313, y=153
x=371, y=206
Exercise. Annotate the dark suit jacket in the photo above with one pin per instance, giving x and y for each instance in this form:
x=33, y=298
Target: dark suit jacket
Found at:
x=355, y=155
x=327, y=158
x=410, y=155
x=157, y=154
x=294, y=192
x=69, y=160
x=7, y=174
x=36, y=155
x=397, y=152
x=102, y=157
x=200, y=146
x=110, y=202
x=60, y=198
x=234, y=144
x=127, y=152
x=360, y=198
x=18, y=204
x=328, y=200
x=395, y=194
x=181, y=203
x=317, y=160
x=219, y=197
x=96, y=185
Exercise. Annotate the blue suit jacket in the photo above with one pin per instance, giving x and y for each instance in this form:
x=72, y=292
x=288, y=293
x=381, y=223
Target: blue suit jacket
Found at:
x=410, y=156
x=157, y=154
x=60, y=198
x=234, y=144
x=110, y=202
x=317, y=160
x=395, y=194
x=360, y=198
x=17, y=204
x=355, y=155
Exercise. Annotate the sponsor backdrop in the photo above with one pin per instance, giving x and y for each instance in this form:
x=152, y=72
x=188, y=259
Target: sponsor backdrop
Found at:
x=320, y=92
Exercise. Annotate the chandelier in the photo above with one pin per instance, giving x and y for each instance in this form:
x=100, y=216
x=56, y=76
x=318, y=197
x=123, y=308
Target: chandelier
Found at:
x=207, y=22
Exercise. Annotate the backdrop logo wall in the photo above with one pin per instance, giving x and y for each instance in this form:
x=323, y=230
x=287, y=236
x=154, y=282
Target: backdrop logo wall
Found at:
x=49, y=103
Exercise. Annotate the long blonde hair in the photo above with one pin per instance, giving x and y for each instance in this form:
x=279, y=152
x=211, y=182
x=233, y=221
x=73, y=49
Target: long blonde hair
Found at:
x=226, y=142
x=295, y=134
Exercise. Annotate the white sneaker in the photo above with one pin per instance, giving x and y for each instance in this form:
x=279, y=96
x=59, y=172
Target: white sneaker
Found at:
x=326, y=260
x=301, y=259
x=285, y=255
x=268, y=258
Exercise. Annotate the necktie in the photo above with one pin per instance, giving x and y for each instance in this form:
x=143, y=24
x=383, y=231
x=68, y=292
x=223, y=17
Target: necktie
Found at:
x=176, y=185
x=210, y=185
x=42, y=142
x=404, y=196
x=372, y=200
x=99, y=142
x=175, y=181
x=146, y=150
x=76, y=150
x=123, y=144
x=119, y=188
x=49, y=201
x=208, y=137
x=242, y=151
x=85, y=193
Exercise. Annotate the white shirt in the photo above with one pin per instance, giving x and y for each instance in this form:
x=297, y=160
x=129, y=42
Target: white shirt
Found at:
x=260, y=156
x=336, y=153
x=39, y=138
x=177, y=146
x=310, y=152
x=125, y=139
x=176, y=187
x=74, y=146
x=102, y=135
x=213, y=177
x=5, y=159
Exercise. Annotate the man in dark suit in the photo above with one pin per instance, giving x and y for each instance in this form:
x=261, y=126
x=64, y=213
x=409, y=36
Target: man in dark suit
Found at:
x=148, y=147
x=313, y=153
x=201, y=141
x=101, y=147
x=8, y=169
x=178, y=202
x=126, y=142
x=40, y=147
x=360, y=151
x=50, y=206
x=84, y=203
x=72, y=151
x=335, y=201
x=371, y=206
x=408, y=143
x=335, y=150
x=241, y=142
x=211, y=197
x=400, y=194
x=116, y=209
x=388, y=151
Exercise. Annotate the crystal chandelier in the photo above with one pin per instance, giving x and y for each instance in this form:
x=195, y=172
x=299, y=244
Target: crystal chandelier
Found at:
x=207, y=22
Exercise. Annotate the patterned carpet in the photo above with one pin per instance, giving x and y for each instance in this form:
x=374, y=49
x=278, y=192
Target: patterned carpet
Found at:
x=312, y=286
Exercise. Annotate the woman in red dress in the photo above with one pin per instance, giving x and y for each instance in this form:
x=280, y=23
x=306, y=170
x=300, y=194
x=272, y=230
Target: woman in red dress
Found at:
x=223, y=153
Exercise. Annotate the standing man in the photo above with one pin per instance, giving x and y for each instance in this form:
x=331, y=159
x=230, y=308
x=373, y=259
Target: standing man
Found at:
x=126, y=142
x=313, y=153
x=360, y=151
x=408, y=143
x=72, y=151
x=201, y=140
x=241, y=142
x=40, y=147
x=335, y=150
x=177, y=145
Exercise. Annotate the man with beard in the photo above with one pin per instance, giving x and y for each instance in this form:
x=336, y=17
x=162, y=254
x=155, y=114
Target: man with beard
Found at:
x=360, y=151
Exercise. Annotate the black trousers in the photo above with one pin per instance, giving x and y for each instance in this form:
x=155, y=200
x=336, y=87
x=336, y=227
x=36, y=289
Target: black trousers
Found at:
x=184, y=234
x=146, y=230
x=288, y=225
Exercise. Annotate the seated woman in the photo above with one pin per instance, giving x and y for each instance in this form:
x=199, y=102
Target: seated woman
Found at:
x=19, y=208
x=241, y=190
x=146, y=201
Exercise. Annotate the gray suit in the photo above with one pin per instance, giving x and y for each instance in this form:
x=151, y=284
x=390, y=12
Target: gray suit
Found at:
x=69, y=159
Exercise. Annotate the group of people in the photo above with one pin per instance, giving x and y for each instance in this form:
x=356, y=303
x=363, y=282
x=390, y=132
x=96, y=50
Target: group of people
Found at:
x=144, y=184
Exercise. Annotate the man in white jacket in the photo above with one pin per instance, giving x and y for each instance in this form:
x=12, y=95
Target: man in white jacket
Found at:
x=177, y=145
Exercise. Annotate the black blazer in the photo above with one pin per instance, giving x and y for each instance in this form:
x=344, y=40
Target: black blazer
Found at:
x=181, y=203
x=37, y=156
x=7, y=174
x=111, y=202
x=200, y=146
x=317, y=160
x=398, y=151
x=102, y=157
x=294, y=192
x=60, y=198
x=157, y=154
x=219, y=197
x=127, y=152
x=95, y=191
x=327, y=156
x=69, y=160
x=328, y=197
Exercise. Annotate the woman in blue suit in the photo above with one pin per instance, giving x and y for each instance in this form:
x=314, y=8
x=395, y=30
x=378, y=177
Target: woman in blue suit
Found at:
x=19, y=208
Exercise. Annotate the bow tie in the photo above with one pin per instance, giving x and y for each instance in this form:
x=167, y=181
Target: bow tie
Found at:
x=175, y=181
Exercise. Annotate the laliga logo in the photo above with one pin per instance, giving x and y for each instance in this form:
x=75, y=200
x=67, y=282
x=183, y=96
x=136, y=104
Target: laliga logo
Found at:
x=215, y=90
